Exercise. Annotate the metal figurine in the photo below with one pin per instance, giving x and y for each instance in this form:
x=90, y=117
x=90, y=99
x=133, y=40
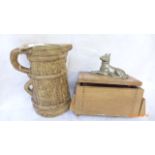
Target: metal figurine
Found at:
x=108, y=70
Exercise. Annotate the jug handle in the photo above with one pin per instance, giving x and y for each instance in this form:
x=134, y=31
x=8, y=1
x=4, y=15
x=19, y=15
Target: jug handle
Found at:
x=14, y=60
x=27, y=87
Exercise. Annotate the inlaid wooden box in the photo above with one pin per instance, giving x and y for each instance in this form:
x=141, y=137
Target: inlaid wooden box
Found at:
x=102, y=95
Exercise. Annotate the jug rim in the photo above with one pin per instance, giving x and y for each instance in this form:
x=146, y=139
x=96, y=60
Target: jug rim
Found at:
x=46, y=46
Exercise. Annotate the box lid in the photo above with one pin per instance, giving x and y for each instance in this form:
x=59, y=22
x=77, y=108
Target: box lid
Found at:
x=92, y=78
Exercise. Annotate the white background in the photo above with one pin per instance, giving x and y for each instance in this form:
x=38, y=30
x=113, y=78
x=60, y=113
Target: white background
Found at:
x=76, y=17
x=134, y=53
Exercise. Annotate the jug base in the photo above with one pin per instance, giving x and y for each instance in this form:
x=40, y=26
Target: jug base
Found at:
x=52, y=112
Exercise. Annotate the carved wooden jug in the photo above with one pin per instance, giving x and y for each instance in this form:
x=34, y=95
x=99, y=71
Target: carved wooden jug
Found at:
x=48, y=83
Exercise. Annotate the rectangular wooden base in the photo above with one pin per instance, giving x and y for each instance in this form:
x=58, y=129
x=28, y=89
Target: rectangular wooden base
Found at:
x=110, y=100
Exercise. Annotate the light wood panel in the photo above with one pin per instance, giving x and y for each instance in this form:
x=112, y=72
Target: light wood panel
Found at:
x=111, y=101
x=88, y=77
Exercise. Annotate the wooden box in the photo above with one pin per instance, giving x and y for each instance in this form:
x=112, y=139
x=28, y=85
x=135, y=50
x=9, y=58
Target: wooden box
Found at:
x=102, y=95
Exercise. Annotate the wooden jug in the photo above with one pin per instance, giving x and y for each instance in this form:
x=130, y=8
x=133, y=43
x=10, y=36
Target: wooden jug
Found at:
x=48, y=83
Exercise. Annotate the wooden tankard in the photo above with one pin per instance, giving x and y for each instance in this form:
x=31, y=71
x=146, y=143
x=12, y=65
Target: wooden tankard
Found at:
x=48, y=83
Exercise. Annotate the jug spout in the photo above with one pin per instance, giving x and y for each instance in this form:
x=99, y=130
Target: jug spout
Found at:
x=66, y=47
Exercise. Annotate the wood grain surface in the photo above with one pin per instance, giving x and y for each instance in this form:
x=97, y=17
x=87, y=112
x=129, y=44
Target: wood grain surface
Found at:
x=111, y=101
x=90, y=77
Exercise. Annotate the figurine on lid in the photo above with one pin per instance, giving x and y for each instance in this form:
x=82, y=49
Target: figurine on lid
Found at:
x=108, y=91
x=108, y=70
